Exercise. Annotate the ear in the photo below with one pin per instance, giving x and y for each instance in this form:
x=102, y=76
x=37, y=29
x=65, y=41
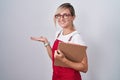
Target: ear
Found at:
x=73, y=17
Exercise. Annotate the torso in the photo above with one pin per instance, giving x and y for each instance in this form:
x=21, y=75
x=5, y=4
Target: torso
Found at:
x=63, y=73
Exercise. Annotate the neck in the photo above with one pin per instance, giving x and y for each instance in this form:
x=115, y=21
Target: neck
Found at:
x=68, y=30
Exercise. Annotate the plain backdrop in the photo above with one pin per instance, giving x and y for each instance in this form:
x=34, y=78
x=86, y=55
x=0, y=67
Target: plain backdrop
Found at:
x=98, y=21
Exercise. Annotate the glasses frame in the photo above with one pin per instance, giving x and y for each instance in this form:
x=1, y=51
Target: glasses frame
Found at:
x=64, y=16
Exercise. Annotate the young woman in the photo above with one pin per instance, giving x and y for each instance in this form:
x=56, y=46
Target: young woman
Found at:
x=65, y=16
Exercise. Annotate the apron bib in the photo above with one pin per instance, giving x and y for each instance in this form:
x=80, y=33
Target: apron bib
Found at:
x=63, y=73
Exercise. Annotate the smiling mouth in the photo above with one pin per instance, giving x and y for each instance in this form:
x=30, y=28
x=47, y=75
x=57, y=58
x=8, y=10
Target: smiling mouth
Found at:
x=62, y=22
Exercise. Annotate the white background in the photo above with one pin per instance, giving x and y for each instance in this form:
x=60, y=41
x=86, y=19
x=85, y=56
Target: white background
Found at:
x=98, y=21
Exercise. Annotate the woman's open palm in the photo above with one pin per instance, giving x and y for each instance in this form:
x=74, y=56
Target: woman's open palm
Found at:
x=41, y=39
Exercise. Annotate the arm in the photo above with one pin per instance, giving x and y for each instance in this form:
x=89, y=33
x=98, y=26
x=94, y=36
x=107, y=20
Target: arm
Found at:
x=82, y=66
x=49, y=50
x=45, y=41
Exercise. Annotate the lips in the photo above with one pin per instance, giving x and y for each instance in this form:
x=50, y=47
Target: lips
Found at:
x=62, y=22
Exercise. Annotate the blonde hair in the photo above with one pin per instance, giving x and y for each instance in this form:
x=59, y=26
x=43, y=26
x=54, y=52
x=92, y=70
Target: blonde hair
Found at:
x=63, y=7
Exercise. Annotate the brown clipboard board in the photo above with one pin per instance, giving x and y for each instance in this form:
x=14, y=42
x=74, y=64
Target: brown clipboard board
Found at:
x=73, y=52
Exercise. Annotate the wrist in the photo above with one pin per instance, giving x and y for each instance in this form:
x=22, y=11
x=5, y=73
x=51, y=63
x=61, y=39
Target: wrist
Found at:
x=46, y=43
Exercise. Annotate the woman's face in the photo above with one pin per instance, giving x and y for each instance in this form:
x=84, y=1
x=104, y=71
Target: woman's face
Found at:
x=64, y=18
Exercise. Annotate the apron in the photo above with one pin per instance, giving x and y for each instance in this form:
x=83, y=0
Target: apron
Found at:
x=63, y=73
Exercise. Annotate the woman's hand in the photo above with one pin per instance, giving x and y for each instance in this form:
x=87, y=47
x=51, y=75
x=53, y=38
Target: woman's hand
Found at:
x=58, y=55
x=41, y=39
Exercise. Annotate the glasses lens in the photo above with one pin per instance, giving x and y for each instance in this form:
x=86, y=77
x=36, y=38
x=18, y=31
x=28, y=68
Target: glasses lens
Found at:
x=65, y=15
x=58, y=16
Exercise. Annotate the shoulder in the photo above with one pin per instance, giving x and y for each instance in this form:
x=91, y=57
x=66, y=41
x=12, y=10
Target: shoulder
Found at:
x=77, y=38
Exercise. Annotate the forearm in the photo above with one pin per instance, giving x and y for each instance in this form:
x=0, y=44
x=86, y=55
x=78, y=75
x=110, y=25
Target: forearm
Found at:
x=49, y=51
x=48, y=48
x=82, y=67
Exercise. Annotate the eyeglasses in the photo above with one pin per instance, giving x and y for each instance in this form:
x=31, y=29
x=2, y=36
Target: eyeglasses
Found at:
x=65, y=16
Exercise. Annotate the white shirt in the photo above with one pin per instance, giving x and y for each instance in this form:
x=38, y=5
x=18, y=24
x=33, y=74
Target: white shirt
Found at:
x=76, y=37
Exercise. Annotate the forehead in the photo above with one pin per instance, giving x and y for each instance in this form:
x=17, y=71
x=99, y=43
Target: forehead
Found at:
x=63, y=11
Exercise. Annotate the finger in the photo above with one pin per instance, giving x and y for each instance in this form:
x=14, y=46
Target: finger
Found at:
x=58, y=52
x=33, y=38
x=41, y=37
x=36, y=39
x=55, y=54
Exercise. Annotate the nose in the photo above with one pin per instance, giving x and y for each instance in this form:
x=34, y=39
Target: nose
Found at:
x=61, y=18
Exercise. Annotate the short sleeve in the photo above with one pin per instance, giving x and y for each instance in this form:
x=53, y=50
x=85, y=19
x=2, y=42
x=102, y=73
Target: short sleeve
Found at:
x=77, y=38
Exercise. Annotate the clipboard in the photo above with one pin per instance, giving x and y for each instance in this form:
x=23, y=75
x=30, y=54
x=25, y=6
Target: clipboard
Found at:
x=73, y=52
